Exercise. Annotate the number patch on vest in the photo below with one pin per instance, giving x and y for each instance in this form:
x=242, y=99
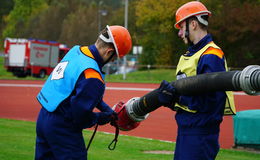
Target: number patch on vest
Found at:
x=58, y=71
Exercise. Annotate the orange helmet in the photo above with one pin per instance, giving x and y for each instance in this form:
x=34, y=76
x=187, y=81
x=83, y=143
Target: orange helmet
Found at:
x=121, y=39
x=190, y=9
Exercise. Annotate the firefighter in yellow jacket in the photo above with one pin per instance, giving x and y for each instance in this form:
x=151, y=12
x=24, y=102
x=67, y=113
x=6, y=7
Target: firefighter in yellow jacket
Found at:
x=199, y=117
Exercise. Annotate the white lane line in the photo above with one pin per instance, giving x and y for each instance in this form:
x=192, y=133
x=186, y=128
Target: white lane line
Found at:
x=240, y=93
x=108, y=88
x=19, y=85
x=130, y=89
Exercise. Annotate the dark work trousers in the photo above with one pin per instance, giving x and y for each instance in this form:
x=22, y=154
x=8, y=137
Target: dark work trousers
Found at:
x=196, y=147
x=58, y=139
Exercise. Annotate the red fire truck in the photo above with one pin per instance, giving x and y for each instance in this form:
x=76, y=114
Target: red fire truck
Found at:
x=32, y=57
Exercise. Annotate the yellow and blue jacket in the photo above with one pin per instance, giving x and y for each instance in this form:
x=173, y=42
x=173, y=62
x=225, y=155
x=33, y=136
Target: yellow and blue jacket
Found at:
x=205, y=109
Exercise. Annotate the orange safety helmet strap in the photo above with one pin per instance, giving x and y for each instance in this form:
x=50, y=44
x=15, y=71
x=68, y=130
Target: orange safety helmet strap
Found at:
x=121, y=39
x=190, y=9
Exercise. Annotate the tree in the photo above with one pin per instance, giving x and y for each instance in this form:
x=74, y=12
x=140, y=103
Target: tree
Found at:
x=47, y=25
x=117, y=18
x=18, y=18
x=155, y=18
x=5, y=7
x=235, y=26
x=80, y=27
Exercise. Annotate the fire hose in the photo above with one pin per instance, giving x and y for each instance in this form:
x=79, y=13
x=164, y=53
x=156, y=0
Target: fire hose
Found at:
x=137, y=109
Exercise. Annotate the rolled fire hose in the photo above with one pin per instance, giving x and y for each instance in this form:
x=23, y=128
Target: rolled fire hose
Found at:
x=138, y=109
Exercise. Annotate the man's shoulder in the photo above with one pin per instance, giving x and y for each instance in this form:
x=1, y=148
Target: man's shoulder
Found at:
x=213, y=49
x=92, y=73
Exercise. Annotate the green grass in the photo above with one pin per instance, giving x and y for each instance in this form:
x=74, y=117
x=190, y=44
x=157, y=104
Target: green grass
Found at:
x=8, y=75
x=17, y=140
x=146, y=76
x=3, y=73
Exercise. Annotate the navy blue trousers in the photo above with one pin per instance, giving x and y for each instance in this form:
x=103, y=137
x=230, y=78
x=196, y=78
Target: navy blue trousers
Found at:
x=58, y=139
x=196, y=147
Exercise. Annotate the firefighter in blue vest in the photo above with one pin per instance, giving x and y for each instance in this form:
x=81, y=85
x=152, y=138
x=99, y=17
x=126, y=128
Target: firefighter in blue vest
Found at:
x=70, y=94
x=199, y=117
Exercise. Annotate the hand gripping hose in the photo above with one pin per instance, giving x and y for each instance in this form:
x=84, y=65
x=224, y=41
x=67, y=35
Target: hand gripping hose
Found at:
x=247, y=80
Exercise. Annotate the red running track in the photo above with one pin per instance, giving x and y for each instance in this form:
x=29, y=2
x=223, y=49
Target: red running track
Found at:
x=18, y=102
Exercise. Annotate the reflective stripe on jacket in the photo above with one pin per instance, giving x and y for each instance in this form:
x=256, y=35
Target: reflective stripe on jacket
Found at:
x=62, y=80
x=187, y=66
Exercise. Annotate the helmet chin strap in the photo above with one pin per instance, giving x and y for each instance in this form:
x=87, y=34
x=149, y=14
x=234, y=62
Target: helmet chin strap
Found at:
x=109, y=58
x=187, y=33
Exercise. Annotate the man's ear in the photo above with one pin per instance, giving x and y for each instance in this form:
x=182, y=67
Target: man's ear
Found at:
x=194, y=24
x=110, y=51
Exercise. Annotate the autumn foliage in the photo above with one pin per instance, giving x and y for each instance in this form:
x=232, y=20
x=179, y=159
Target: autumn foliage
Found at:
x=235, y=25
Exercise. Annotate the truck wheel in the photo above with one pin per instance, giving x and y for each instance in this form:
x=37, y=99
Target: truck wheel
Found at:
x=19, y=74
x=42, y=74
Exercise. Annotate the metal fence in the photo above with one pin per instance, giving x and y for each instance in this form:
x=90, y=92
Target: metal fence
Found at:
x=130, y=65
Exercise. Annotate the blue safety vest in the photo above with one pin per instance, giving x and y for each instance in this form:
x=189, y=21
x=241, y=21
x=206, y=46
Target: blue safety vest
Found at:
x=63, y=78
